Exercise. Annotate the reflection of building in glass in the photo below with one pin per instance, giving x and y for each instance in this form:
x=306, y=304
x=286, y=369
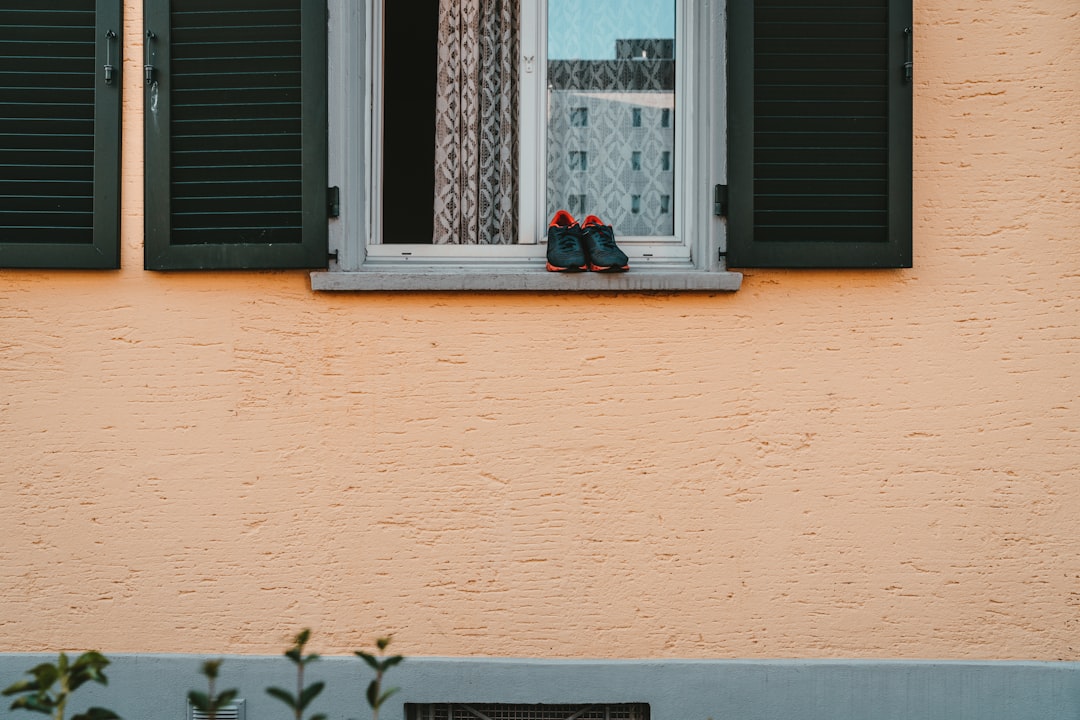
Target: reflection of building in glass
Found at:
x=611, y=136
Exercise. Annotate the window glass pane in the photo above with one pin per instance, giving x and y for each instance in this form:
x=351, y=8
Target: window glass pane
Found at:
x=575, y=204
x=611, y=86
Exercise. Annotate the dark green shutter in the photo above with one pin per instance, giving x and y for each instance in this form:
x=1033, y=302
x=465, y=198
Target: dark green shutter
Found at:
x=819, y=133
x=235, y=132
x=60, y=133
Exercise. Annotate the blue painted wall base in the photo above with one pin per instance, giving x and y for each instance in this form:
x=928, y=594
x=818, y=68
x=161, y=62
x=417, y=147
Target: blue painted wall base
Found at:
x=154, y=687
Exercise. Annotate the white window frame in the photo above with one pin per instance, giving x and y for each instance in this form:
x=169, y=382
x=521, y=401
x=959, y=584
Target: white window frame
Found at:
x=691, y=262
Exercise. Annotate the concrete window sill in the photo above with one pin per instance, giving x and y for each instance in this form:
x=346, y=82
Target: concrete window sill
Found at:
x=526, y=280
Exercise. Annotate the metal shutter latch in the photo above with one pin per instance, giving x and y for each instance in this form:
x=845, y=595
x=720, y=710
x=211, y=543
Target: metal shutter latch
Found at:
x=148, y=68
x=110, y=36
x=908, y=56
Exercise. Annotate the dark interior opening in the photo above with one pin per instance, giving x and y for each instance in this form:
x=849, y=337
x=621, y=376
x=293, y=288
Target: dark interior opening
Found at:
x=410, y=56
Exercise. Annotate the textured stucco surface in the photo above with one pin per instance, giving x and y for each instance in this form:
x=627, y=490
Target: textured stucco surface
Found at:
x=822, y=464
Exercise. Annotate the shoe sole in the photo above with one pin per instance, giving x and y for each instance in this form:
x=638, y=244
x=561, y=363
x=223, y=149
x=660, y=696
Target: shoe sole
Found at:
x=609, y=268
x=556, y=268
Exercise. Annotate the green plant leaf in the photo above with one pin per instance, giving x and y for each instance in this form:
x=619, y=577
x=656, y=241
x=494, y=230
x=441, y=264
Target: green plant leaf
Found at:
x=226, y=697
x=22, y=686
x=199, y=701
x=46, y=674
x=82, y=673
x=35, y=703
x=310, y=693
x=282, y=695
x=311, y=658
x=90, y=659
x=320, y=716
x=391, y=661
x=372, y=695
x=371, y=660
x=383, y=642
x=387, y=694
x=294, y=655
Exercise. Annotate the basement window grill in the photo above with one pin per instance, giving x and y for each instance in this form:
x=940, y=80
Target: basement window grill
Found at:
x=233, y=711
x=520, y=711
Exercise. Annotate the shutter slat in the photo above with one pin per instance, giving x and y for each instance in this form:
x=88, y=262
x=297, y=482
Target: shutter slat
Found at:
x=16, y=203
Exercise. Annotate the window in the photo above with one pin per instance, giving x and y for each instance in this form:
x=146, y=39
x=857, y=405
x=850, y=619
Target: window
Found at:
x=635, y=160
x=60, y=134
x=542, y=136
x=792, y=152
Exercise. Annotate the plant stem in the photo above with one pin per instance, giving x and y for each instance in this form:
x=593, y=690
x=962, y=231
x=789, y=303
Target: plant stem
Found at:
x=299, y=687
x=62, y=699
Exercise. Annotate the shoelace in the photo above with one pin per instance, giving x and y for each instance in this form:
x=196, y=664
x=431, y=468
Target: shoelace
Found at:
x=565, y=241
x=602, y=239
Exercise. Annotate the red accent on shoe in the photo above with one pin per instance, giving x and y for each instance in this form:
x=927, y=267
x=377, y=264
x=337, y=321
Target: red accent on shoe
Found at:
x=592, y=220
x=562, y=219
x=555, y=268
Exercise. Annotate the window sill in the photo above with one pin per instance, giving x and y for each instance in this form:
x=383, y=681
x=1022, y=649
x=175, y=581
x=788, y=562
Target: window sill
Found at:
x=523, y=280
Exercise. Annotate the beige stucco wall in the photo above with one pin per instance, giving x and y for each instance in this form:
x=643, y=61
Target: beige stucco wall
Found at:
x=822, y=464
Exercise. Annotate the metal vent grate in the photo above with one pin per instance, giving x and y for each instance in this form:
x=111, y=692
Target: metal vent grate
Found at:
x=235, y=711
x=512, y=711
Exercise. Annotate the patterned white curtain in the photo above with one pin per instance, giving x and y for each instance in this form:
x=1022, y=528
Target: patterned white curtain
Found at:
x=475, y=122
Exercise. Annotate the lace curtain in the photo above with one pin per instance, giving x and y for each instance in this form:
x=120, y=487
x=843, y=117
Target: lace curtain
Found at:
x=476, y=159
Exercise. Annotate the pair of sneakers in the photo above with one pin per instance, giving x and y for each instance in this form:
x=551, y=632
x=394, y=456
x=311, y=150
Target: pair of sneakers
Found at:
x=588, y=246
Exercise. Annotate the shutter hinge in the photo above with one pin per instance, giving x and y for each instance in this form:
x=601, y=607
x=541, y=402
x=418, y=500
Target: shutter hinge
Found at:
x=333, y=201
x=332, y=256
x=720, y=200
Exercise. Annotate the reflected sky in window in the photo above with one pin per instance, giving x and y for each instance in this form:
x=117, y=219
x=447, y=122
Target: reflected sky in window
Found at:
x=587, y=29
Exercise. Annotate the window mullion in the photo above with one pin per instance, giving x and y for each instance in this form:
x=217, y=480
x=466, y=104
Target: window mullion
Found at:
x=533, y=80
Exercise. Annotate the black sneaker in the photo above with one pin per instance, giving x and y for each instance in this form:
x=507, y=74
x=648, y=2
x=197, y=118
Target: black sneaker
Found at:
x=598, y=240
x=564, y=253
